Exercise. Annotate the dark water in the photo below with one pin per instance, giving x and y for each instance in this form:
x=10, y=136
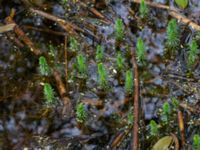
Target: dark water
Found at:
x=26, y=122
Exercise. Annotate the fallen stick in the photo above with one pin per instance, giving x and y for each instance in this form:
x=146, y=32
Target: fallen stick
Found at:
x=185, y=20
x=20, y=33
x=181, y=128
x=67, y=26
x=67, y=109
x=136, y=103
x=174, y=13
x=95, y=12
x=6, y=28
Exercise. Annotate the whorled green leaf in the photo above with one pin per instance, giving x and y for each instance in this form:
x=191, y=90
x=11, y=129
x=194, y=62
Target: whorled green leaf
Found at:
x=163, y=144
x=182, y=3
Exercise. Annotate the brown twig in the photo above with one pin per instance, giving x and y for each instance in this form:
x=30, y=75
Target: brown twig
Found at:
x=136, y=103
x=181, y=128
x=67, y=109
x=44, y=30
x=95, y=12
x=185, y=20
x=66, y=64
x=6, y=28
x=67, y=26
x=157, y=5
x=174, y=13
x=21, y=34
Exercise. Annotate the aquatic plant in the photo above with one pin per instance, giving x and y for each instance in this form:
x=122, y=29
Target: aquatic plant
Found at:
x=48, y=93
x=120, y=61
x=130, y=117
x=196, y=142
x=182, y=3
x=166, y=110
x=172, y=35
x=197, y=37
x=44, y=67
x=99, y=53
x=193, y=54
x=119, y=29
x=81, y=113
x=102, y=76
x=74, y=45
x=52, y=51
x=175, y=103
x=153, y=128
x=143, y=9
x=129, y=82
x=140, y=50
x=81, y=65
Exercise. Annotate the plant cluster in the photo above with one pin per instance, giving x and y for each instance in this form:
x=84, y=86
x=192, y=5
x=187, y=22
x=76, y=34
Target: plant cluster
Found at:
x=143, y=10
x=140, y=50
x=196, y=142
x=81, y=65
x=129, y=82
x=172, y=35
x=44, y=67
x=74, y=45
x=49, y=94
x=193, y=54
x=166, y=111
x=102, y=76
x=99, y=53
x=153, y=128
x=81, y=113
x=120, y=61
x=119, y=30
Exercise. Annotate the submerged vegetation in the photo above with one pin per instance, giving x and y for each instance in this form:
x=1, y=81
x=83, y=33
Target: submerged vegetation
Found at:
x=81, y=113
x=102, y=76
x=143, y=9
x=81, y=65
x=44, y=67
x=172, y=35
x=49, y=94
x=129, y=82
x=193, y=54
x=119, y=29
x=140, y=51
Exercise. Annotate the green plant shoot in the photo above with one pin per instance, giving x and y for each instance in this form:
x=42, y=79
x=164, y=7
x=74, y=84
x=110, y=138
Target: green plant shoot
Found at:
x=81, y=65
x=182, y=3
x=52, y=51
x=119, y=30
x=140, y=50
x=130, y=118
x=129, y=82
x=143, y=9
x=44, y=67
x=153, y=128
x=193, y=54
x=166, y=110
x=172, y=35
x=74, y=45
x=196, y=142
x=120, y=61
x=49, y=94
x=81, y=113
x=99, y=53
x=175, y=103
x=102, y=76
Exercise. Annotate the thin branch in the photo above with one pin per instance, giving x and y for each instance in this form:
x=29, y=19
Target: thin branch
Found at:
x=20, y=33
x=174, y=13
x=136, y=103
x=182, y=129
